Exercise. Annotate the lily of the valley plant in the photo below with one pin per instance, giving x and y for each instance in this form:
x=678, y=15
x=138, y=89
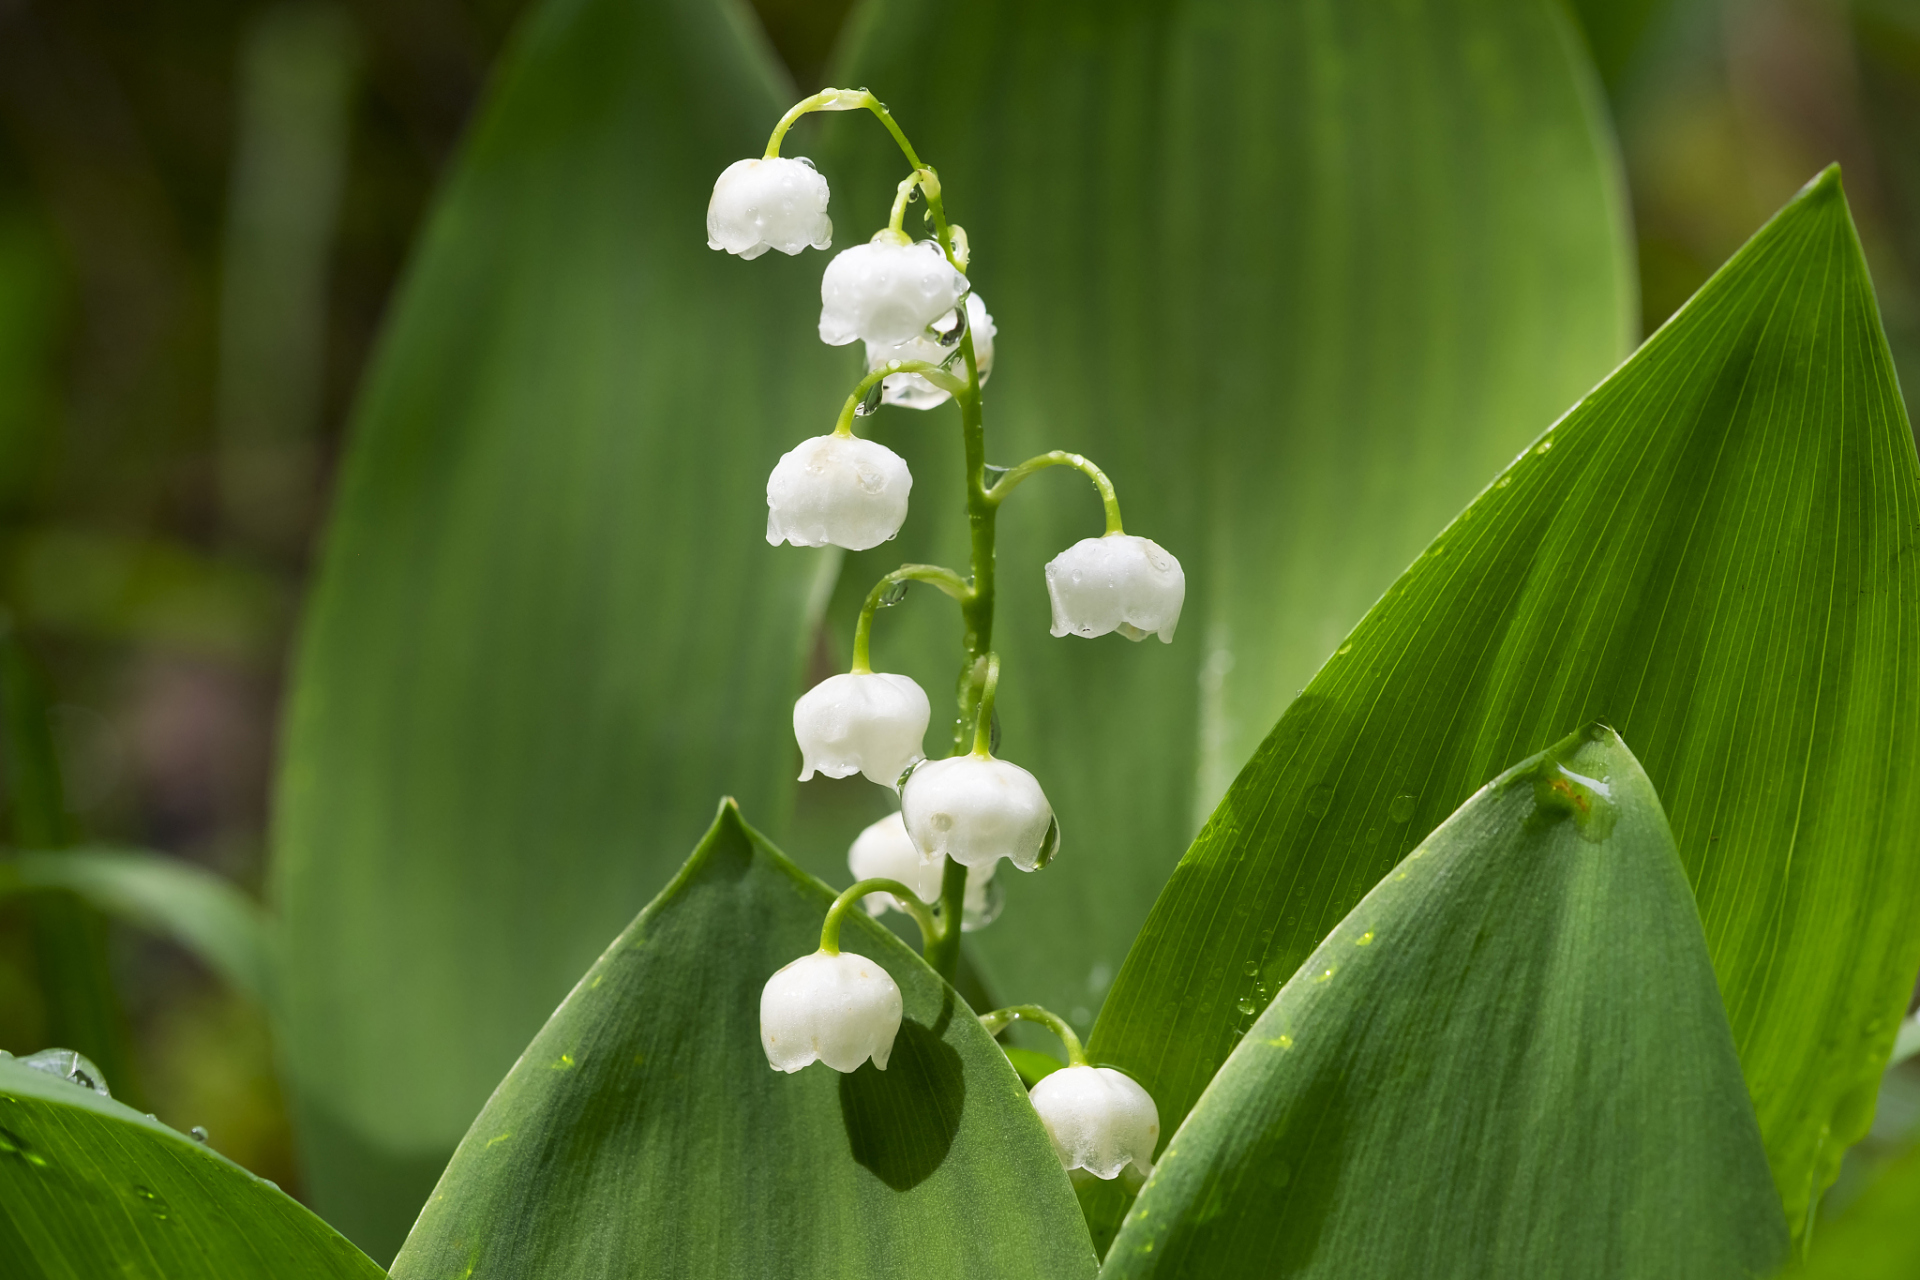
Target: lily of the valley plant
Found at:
x=929, y=340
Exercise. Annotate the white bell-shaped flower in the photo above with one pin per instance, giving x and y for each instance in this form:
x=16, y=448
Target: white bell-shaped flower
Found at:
x=1116, y=583
x=977, y=810
x=910, y=390
x=838, y=490
x=1099, y=1119
x=774, y=203
x=869, y=722
x=884, y=851
x=837, y=1009
x=886, y=291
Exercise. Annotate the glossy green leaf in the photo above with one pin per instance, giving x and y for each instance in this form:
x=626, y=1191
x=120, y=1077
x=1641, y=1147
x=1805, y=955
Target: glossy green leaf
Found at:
x=547, y=629
x=1714, y=553
x=1300, y=276
x=1510, y=1059
x=190, y=905
x=89, y=1189
x=642, y=1133
x=1874, y=1238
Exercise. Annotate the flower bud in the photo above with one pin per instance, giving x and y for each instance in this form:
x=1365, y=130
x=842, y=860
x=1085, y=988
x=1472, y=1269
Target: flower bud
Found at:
x=867, y=722
x=1099, y=1119
x=977, y=810
x=886, y=291
x=1116, y=583
x=759, y=205
x=910, y=390
x=841, y=490
x=837, y=1009
x=884, y=851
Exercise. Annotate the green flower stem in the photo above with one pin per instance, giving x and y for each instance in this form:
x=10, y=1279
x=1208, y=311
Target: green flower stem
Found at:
x=902, y=195
x=997, y=1021
x=945, y=579
x=983, y=715
x=825, y=100
x=931, y=372
x=1060, y=458
x=977, y=613
x=931, y=930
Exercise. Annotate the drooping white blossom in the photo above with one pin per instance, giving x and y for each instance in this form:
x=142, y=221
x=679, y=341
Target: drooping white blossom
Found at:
x=910, y=390
x=1099, y=1119
x=884, y=851
x=886, y=291
x=1116, y=583
x=977, y=810
x=838, y=490
x=773, y=203
x=869, y=722
x=837, y=1009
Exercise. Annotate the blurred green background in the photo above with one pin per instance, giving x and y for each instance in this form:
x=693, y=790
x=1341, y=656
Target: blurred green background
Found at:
x=204, y=207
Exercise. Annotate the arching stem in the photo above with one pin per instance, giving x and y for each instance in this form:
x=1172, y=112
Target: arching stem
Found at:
x=931, y=372
x=998, y=1020
x=1061, y=458
x=853, y=100
x=931, y=930
x=945, y=579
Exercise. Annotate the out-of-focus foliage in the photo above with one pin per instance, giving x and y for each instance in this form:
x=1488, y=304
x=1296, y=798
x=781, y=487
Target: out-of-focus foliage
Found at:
x=549, y=631
x=131, y=241
x=1873, y=1238
x=196, y=908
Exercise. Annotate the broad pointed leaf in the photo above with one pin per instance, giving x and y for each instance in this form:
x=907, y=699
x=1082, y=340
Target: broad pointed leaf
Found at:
x=1510, y=1059
x=1300, y=276
x=89, y=1188
x=642, y=1133
x=1715, y=552
x=547, y=628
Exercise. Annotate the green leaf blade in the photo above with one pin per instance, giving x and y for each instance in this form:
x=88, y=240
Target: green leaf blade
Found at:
x=1510, y=1059
x=89, y=1187
x=643, y=1123
x=1714, y=552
